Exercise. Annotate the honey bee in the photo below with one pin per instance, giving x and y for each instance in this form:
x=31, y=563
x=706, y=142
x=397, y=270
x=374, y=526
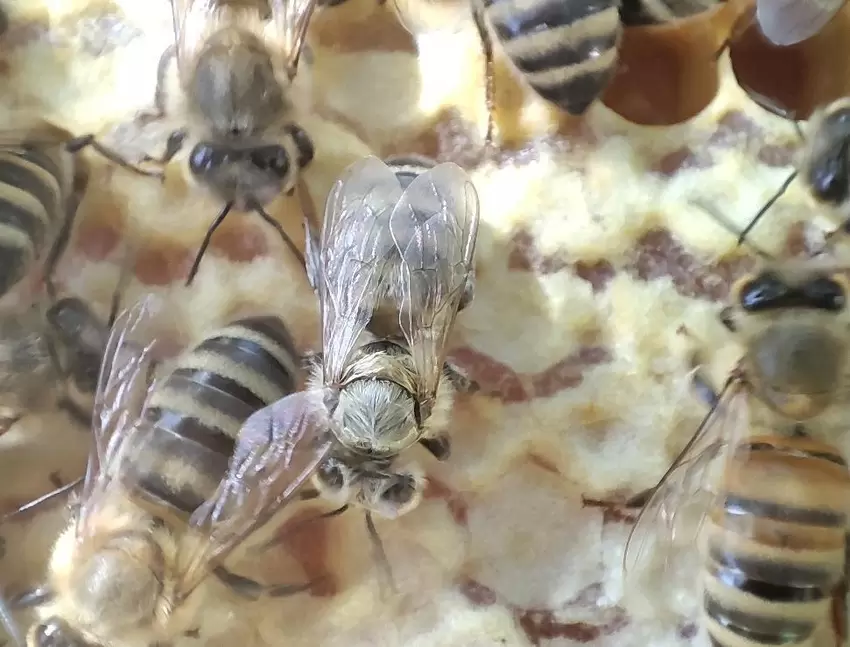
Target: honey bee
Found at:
x=50, y=357
x=759, y=489
x=374, y=397
x=236, y=62
x=566, y=51
x=167, y=495
x=787, y=22
x=824, y=162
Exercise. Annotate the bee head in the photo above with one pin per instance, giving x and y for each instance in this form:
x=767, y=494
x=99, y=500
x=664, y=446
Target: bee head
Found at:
x=82, y=340
x=55, y=632
x=793, y=333
x=375, y=418
x=234, y=86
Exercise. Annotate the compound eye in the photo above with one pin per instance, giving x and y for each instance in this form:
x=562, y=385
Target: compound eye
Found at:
x=202, y=158
x=825, y=294
x=763, y=293
x=331, y=475
x=401, y=492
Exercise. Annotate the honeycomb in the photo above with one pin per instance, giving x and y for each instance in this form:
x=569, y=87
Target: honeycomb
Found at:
x=599, y=239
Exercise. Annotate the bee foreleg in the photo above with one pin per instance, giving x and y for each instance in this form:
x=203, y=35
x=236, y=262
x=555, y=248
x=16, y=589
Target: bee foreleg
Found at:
x=440, y=447
x=159, y=94
x=380, y=557
x=248, y=588
x=173, y=145
x=489, y=71
x=286, y=239
x=79, y=143
x=206, y=242
x=459, y=379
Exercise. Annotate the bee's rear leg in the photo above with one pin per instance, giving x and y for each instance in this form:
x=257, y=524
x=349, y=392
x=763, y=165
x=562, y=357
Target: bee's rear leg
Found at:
x=77, y=144
x=251, y=590
x=440, y=446
x=489, y=71
x=459, y=379
x=159, y=95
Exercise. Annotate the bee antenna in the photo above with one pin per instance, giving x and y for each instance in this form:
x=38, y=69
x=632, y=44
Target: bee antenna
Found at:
x=767, y=205
x=40, y=500
x=721, y=220
x=380, y=554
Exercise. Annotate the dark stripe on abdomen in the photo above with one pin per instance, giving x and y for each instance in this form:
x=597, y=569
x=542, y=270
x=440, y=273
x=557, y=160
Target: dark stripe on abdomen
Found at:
x=741, y=506
x=565, y=39
x=196, y=414
x=763, y=630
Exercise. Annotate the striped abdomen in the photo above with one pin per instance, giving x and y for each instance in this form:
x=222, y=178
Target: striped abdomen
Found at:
x=775, y=543
x=34, y=186
x=566, y=49
x=196, y=413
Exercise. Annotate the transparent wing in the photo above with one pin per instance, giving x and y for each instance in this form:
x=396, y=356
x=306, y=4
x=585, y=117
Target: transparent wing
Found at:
x=421, y=17
x=124, y=383
x=277, y=450
x=292, y=18
x=786, y=22
x=434, y=228
x=353, y=253
x=192, y=20
x=661, y=553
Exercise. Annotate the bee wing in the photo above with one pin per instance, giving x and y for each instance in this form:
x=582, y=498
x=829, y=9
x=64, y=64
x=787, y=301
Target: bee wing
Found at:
x=786, y=22
x=124, y=383
x=191, y=20
x=434, y=228
x=277, y=450
x=662, y=544
x=292, y=18
x=354, y=250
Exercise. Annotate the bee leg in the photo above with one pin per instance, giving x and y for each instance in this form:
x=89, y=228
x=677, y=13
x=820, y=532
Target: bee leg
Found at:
x=159, y=95
x=380, y=556
x=251, y=590
x=79, y=143
x=57, y=249
x=489, y=70
x=459, y=379
x=468, y=293
x=9, y=421
x=440, y=447
x=173, y=145
x=286, y=239
x=75, y=411
x=206, y=242
x=32, y=598
x=280, y=537
x=767, y=205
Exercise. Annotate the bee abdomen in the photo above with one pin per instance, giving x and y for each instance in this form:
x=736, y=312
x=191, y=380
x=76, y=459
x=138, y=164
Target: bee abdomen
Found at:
x=31, y=209
x=566, y=49
x=197, y=412
x=775, y=547
x=408, y=167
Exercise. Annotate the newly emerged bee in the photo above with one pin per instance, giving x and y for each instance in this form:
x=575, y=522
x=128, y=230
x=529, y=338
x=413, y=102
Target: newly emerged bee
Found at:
x=786, y=22
x=824, y=162
x=160, y=509
x=372, y=397
x=754, y=507
x=566, y=50
x=236, y=62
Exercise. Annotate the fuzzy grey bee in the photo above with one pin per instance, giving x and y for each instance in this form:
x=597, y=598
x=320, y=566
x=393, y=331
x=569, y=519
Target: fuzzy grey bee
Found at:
x=409, y=248
x=236, y=62
x=160, y=508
